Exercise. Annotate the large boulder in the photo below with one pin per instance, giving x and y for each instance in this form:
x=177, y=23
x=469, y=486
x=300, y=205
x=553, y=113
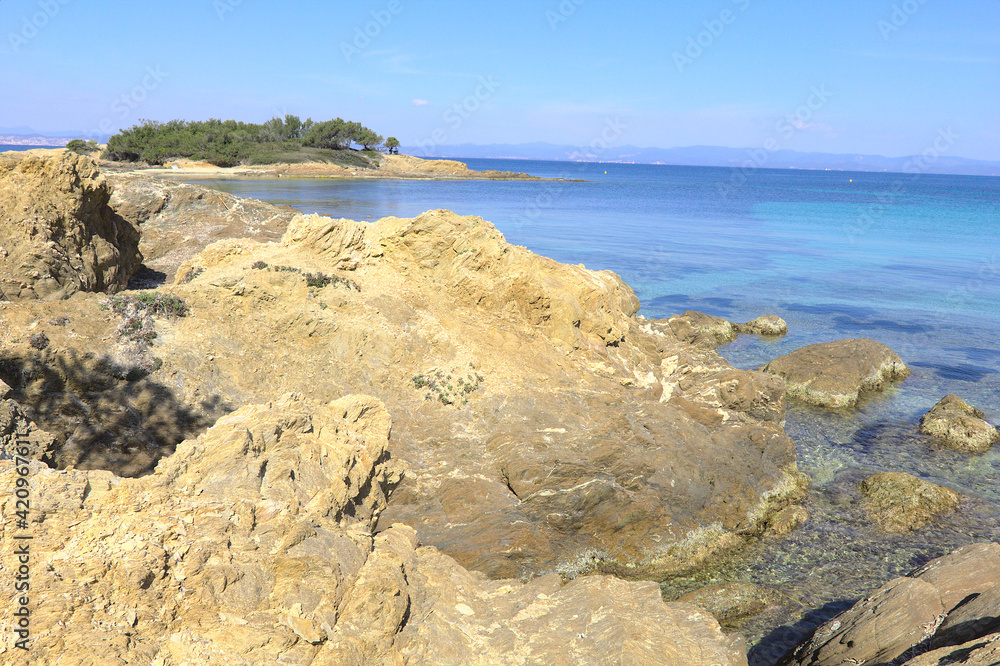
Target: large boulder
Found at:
x=956, y=424
x=900, y=502
x=933, y=607
x=58, y=235
x=547, y=427
x=836, y=374
x=254, y=544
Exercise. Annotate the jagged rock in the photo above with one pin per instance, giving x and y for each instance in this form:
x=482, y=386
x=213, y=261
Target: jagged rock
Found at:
x=58, y=235
x=901, y=502
x=767, y=325
x=835, y=374
x=588, y=423
x=18, y=431
x=700, y=328
x=983, y=651
x=909, y=615
x=980, y=616
x=958, y=425
x=254, y=543
x=178, y=220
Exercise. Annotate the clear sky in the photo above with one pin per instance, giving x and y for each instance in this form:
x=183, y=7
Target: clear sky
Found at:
x=857, y=76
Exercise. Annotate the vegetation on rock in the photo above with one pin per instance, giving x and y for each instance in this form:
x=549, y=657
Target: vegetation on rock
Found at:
x=316, y=280
x=229, y=142
x=448, y=386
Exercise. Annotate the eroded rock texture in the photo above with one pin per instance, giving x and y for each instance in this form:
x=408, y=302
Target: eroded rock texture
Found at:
x=58, y=235
x=253, y=544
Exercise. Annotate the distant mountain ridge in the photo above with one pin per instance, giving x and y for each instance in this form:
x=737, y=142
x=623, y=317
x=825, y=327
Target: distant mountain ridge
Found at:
x=715, y=156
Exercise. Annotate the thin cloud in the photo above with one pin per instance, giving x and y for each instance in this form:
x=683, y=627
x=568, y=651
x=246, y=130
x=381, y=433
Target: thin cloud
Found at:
x=420, y=102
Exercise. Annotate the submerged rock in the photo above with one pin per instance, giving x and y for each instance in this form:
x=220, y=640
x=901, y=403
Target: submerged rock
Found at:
x=732, y=602
x=901, y=502
x=908, y=616
x=836, y=374
x=766, y=325
x=58, y=235
x=958, y=425
x=705, y=329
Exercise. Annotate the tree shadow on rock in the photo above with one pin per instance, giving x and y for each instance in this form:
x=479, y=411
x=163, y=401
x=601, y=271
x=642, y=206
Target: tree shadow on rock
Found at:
x=102, y=416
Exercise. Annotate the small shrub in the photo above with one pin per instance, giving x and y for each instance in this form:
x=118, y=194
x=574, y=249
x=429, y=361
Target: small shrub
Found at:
x=82, y=147
x=38, y=341
x=440, y=387
x=313, y=280
x=136, y=330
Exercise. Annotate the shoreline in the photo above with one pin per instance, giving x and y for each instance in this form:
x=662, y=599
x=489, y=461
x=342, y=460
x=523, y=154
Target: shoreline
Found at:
x=390, y=167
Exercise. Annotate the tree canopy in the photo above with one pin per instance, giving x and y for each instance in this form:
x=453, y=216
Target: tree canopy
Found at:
x=230, y=142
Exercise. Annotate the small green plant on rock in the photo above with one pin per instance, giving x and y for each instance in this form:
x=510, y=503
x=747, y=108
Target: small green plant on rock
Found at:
x=440, y=387
x=135, y=331
x=314, y=280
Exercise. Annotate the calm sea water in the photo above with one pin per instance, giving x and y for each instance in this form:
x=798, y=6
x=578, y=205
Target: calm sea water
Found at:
x=910, y=260
x=5, y=147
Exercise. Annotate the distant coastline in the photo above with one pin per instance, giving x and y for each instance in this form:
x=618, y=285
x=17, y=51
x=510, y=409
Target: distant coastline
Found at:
x=10, y=142
x=26, y=146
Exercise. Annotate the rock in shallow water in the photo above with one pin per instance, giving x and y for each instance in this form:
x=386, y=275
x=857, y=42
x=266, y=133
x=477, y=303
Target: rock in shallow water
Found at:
x=835, y=374
x=958, y=425
x=907, y=616
x=767, y=325
x=901, y=502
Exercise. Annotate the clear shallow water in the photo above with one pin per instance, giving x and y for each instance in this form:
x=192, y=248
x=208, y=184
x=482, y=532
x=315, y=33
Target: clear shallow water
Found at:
x=913, y=262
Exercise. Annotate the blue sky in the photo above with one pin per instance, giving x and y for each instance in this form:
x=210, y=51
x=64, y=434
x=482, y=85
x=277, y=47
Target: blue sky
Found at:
x=849, y=76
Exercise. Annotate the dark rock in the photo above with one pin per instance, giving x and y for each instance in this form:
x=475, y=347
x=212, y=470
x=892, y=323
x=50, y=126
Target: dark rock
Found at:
x=908, y=616
x=835, y=374
x=977, y=617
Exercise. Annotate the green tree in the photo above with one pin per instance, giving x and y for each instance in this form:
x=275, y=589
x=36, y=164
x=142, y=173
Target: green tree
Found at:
x=392, y=145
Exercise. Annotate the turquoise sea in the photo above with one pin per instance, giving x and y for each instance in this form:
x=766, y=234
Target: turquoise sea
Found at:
x=911, y=260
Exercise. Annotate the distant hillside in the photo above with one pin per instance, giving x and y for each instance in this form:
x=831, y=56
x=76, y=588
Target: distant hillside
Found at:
x=714, y=156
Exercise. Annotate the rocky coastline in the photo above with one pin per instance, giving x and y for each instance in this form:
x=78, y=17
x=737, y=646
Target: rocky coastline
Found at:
x=405, y=441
